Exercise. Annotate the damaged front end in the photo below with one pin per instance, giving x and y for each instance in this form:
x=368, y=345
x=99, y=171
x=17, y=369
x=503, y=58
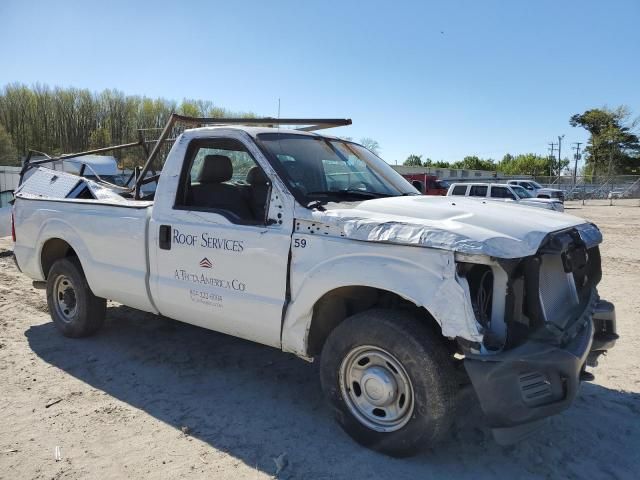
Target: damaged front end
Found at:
x=543, y=323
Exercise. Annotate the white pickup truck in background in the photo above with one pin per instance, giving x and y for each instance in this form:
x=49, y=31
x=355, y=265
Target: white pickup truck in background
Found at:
x=538, y=191
x=314, y=245
x=502, y=192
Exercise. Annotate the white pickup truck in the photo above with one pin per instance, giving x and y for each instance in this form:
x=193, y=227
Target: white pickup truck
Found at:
x=538, y=190
x=314, y=245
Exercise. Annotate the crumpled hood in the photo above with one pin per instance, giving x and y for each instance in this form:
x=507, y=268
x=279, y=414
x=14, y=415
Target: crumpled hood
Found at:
x=459, y=224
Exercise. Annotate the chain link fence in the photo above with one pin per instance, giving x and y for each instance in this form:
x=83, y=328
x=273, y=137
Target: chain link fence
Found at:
x=600, y=190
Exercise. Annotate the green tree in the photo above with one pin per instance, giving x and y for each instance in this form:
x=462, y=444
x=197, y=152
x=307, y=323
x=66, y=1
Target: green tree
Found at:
x=100, y=137
x=413, y=161
x=8, y=153
x=61, y=120
x=529, y=164
x=475, y=163
x=613, y=145
x=441, y=164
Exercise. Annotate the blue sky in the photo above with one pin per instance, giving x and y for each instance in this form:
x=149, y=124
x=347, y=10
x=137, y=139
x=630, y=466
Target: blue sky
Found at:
x=442, y=79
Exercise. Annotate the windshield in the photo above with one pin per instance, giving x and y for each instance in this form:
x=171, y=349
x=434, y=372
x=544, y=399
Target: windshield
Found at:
x=521, y=192
x=321, y=169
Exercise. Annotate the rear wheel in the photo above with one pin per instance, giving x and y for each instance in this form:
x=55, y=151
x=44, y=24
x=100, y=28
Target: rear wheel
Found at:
x=390, y=381
x=75, y=310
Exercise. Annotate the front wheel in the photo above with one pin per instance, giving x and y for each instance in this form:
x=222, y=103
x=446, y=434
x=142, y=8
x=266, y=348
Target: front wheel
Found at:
x=390, y=381
x=75, y=310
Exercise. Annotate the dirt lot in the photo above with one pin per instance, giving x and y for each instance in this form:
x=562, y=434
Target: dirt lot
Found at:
x=152, y=398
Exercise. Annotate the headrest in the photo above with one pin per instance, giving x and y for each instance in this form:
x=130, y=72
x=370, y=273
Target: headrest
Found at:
x=215, y=169
x=255, y=176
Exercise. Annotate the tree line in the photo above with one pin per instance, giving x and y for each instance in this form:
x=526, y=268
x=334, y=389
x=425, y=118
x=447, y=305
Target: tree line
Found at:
x=64, y=120
x=522, y=164
x=613, y=148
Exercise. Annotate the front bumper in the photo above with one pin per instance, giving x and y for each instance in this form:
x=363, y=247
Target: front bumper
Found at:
x=535, y=380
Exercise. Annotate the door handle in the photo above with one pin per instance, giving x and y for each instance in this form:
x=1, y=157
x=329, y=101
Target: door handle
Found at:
x=165, y=237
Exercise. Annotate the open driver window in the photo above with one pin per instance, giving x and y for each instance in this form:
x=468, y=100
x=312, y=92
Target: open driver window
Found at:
x=221, y=176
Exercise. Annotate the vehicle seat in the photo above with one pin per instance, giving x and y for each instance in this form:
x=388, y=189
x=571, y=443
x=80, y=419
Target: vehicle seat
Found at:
x=210, y=191
x=259, y=189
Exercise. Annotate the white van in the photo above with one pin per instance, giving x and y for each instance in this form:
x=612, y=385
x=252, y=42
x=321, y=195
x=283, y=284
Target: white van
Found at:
x=505, y=193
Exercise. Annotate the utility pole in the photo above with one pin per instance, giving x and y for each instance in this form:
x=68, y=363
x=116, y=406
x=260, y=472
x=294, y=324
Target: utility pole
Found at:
x=560, y=137
x=576, y=158
x=552, y=159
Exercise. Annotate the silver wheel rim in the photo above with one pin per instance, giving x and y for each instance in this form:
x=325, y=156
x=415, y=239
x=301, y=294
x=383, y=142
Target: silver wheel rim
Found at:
x=376, y=388
x=64, y=298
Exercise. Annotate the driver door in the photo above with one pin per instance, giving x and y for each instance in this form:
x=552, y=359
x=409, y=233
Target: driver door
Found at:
x=217, y=262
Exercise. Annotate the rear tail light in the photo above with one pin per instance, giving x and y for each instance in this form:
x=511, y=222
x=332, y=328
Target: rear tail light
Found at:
x=13, y=226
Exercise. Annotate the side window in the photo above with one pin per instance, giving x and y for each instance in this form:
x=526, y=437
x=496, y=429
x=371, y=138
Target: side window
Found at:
x=501, y=192
x=478, y=191
x=220, y=175
x=459, y=190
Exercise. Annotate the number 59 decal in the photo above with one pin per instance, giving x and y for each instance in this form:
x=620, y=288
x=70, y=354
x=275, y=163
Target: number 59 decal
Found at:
x=299, y=243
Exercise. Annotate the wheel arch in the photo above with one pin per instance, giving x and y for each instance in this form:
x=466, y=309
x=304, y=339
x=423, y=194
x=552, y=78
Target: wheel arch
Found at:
x=52, y=250
x=336, y=305
x=421, y=279
x=59, y=239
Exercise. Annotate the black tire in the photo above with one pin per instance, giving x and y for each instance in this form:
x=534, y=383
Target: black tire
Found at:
x=424, y=360
x=77, y=312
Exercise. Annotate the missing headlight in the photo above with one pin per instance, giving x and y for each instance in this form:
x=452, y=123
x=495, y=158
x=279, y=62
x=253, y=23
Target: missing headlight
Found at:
x=480, y=279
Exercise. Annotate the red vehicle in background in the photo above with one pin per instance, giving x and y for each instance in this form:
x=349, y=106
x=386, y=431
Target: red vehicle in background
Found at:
x=427, y=184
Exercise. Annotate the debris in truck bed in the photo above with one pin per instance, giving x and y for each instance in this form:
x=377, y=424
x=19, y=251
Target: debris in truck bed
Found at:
x=47, y=184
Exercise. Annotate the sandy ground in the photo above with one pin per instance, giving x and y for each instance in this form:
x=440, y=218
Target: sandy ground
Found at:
x=152, y=398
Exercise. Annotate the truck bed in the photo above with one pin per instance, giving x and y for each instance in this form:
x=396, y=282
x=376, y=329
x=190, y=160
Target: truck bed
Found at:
x=110, y=234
